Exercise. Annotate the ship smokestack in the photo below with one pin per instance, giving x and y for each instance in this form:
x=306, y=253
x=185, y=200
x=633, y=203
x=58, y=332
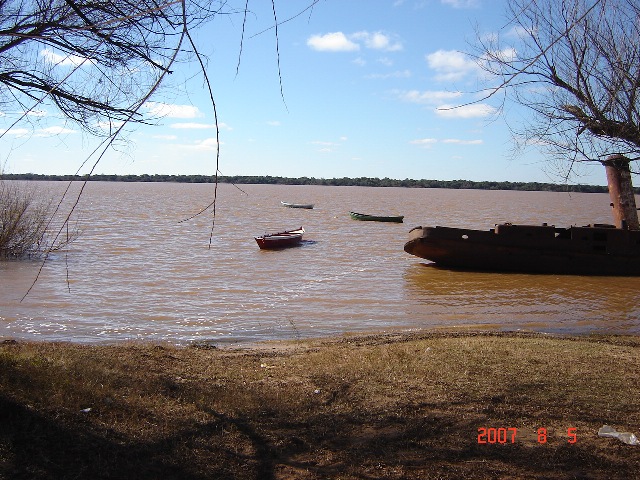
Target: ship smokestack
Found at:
x=623, y=199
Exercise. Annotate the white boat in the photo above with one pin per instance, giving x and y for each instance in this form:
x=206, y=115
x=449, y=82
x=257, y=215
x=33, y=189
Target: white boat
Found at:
x=297, y=205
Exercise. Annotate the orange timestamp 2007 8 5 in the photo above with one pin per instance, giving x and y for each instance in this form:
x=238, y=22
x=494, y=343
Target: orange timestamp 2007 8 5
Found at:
x=504, y=435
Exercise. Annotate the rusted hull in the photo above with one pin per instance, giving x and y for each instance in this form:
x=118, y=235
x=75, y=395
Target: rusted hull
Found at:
x=590, y=250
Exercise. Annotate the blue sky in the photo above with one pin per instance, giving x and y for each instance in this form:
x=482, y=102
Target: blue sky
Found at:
x=365, y=86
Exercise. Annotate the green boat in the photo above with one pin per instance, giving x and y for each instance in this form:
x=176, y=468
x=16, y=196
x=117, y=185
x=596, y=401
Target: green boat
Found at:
x=376, y=218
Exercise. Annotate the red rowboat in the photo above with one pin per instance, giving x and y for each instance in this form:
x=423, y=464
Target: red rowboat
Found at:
x=288, y=238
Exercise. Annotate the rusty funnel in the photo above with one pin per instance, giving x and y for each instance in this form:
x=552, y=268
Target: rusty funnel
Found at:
x=623, y=200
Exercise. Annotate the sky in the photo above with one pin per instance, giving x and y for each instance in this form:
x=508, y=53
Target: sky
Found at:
x=352, y=88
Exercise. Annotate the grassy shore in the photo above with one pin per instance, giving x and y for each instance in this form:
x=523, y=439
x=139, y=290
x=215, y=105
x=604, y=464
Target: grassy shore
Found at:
x=374, y=407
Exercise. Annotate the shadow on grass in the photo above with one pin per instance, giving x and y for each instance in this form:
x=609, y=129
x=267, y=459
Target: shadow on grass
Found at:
x=36, y=446
x=169, y=414
x=413, y=443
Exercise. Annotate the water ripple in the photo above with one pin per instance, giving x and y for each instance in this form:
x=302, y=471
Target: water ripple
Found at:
x=137, y=272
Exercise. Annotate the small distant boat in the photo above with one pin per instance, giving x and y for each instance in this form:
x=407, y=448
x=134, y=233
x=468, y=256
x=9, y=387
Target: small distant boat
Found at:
x=376, y=218
x=288, y=238
x=297, y=205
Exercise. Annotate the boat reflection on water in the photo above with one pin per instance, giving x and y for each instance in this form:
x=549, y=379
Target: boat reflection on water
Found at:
x=551, y=303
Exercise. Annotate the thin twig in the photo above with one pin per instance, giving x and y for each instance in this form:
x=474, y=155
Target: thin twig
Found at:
x=134, y=109
x=275, y=20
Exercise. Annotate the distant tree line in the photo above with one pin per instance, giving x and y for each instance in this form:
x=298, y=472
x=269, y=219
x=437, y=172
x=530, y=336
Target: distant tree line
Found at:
x=344, y=181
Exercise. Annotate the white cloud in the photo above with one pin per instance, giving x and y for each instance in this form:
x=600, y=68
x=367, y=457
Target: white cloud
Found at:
x=507, y=54
x=37, y=113
x=429, y=142
x=520, y=32
x=428, y=97
x=274, y=123
x=30, y=113
x=199, y=126
x=67, y=60
x=477, y=110
x=462, y=142
x=451, y=65
x=18, y=132
x=462, y=3
x=325, y=144
x=332, y=42
x=109, y=124
x=339, y=42
x=424, y=142
x=158, y=109
x=377, y=41
x=52, y=131
x=440, y=99
x=206, y=145
x=192, y=126
x=397, y=74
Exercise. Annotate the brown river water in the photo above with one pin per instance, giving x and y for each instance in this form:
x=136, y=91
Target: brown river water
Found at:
x=138, y=273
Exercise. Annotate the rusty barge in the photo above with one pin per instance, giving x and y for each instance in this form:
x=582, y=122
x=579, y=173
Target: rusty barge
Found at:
x=588, y=250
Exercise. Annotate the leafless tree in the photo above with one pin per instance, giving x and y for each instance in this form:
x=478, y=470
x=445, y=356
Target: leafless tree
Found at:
x=98, y=62
x=576, y=65
x=25, y=223
x=95, y=60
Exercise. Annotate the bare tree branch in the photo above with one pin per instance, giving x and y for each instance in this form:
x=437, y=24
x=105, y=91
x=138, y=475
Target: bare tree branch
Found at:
x=576, y=66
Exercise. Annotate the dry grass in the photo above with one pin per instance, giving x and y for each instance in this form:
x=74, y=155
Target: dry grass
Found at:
x=396, y=406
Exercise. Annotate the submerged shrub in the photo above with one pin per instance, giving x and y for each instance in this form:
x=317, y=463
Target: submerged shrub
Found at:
x=24, y=219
